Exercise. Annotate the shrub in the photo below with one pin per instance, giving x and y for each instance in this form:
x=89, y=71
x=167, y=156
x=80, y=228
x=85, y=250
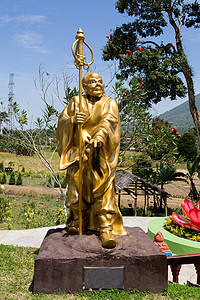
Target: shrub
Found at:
x=63, y=183
x=60, y=217
x=28, y=213
x=19, y=179
x=187, y=146
x=142, y=166
x=3, y=179
x=49, y=184
x=55, y=183
x=5, y=209
x=12, y=178
x=1, y=167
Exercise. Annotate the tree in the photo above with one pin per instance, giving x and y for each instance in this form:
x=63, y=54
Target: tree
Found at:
x=19, y=179
x=135, y=119
x=161, y=143
x=139, y=130
x=167, y=173
x=3, y=179
x=1, y=167
x=12, y=178
x=187, y=146
x=143, y=166
x=159, y=66
x=4, y=117
x=192, y=169
x=42, y=137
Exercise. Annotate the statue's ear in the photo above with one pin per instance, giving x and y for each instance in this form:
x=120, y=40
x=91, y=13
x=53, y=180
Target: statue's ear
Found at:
x=84, y=86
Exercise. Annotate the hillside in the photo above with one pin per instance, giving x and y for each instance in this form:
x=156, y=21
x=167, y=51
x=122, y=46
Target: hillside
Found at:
x=180, y=116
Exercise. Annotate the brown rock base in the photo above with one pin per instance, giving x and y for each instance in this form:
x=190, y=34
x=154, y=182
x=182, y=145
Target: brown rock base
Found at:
x=69, y=264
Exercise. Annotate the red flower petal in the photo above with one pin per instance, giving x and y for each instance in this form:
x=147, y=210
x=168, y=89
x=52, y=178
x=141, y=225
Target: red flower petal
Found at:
x=194, y=215
x=178, y=219
x=198, y=204
x=186, y=206
x=192, y=226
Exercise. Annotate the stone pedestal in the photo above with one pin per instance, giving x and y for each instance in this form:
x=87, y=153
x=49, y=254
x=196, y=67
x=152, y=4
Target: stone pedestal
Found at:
x=69, y=264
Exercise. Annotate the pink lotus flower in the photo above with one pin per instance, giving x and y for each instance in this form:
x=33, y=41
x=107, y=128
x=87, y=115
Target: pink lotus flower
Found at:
x=193, y=213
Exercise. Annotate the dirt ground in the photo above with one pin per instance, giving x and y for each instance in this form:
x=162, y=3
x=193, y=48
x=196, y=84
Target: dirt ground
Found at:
x=178, y=190
x=31, y=191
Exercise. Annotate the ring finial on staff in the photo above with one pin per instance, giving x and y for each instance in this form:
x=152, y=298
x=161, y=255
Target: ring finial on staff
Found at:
x=78, y=51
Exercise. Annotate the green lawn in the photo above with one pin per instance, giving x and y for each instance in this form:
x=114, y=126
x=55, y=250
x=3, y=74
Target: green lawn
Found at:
x=29, y=162
x=32, y=212
x=16, y=281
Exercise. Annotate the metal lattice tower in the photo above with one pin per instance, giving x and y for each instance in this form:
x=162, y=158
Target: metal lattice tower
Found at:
x=11, y=96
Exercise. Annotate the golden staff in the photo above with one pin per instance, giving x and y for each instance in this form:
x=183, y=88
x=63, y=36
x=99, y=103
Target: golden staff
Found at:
x=79, y=63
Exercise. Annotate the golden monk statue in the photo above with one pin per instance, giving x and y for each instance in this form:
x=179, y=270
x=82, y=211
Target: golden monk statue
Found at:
x=101, y=142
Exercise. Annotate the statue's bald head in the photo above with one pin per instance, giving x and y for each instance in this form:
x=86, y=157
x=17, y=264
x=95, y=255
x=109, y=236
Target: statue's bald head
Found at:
x=93, y=85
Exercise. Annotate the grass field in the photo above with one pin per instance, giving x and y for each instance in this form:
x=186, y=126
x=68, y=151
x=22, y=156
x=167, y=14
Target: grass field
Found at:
x=17, y=263
x=29, y=162
x=30, y=212
x=34, y=163
x=16, y=281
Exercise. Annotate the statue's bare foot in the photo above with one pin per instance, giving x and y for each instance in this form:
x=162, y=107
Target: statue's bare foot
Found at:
x=107, y=239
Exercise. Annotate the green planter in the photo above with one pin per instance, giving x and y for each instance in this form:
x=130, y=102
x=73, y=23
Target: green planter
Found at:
x=176, y=244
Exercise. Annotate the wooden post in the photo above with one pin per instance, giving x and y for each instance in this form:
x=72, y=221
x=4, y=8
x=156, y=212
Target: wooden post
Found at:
x=135, y=202
x=197, y=267
x=154, y=200
x=145, y=200
x=165, y=203
x=161, y=201
x=175, y=272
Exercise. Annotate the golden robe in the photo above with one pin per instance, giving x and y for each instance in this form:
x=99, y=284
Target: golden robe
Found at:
x=99, y=164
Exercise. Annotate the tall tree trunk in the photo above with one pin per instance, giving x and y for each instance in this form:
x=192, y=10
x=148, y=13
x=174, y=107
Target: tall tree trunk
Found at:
x=186, y=72
x=192, y=104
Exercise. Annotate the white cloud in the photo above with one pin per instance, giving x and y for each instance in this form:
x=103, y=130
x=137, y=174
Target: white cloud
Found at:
x=31, y=40
x=6, y=19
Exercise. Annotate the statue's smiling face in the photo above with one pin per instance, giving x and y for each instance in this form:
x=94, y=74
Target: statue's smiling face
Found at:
x=93, y=85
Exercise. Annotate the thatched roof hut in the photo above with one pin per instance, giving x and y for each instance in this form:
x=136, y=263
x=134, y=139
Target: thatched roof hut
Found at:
x=131, y=183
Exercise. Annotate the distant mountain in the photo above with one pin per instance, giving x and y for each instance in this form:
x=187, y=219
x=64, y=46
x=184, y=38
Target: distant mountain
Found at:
x=180, y=116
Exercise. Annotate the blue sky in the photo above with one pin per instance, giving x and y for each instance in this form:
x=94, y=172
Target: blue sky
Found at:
x=34, y=32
